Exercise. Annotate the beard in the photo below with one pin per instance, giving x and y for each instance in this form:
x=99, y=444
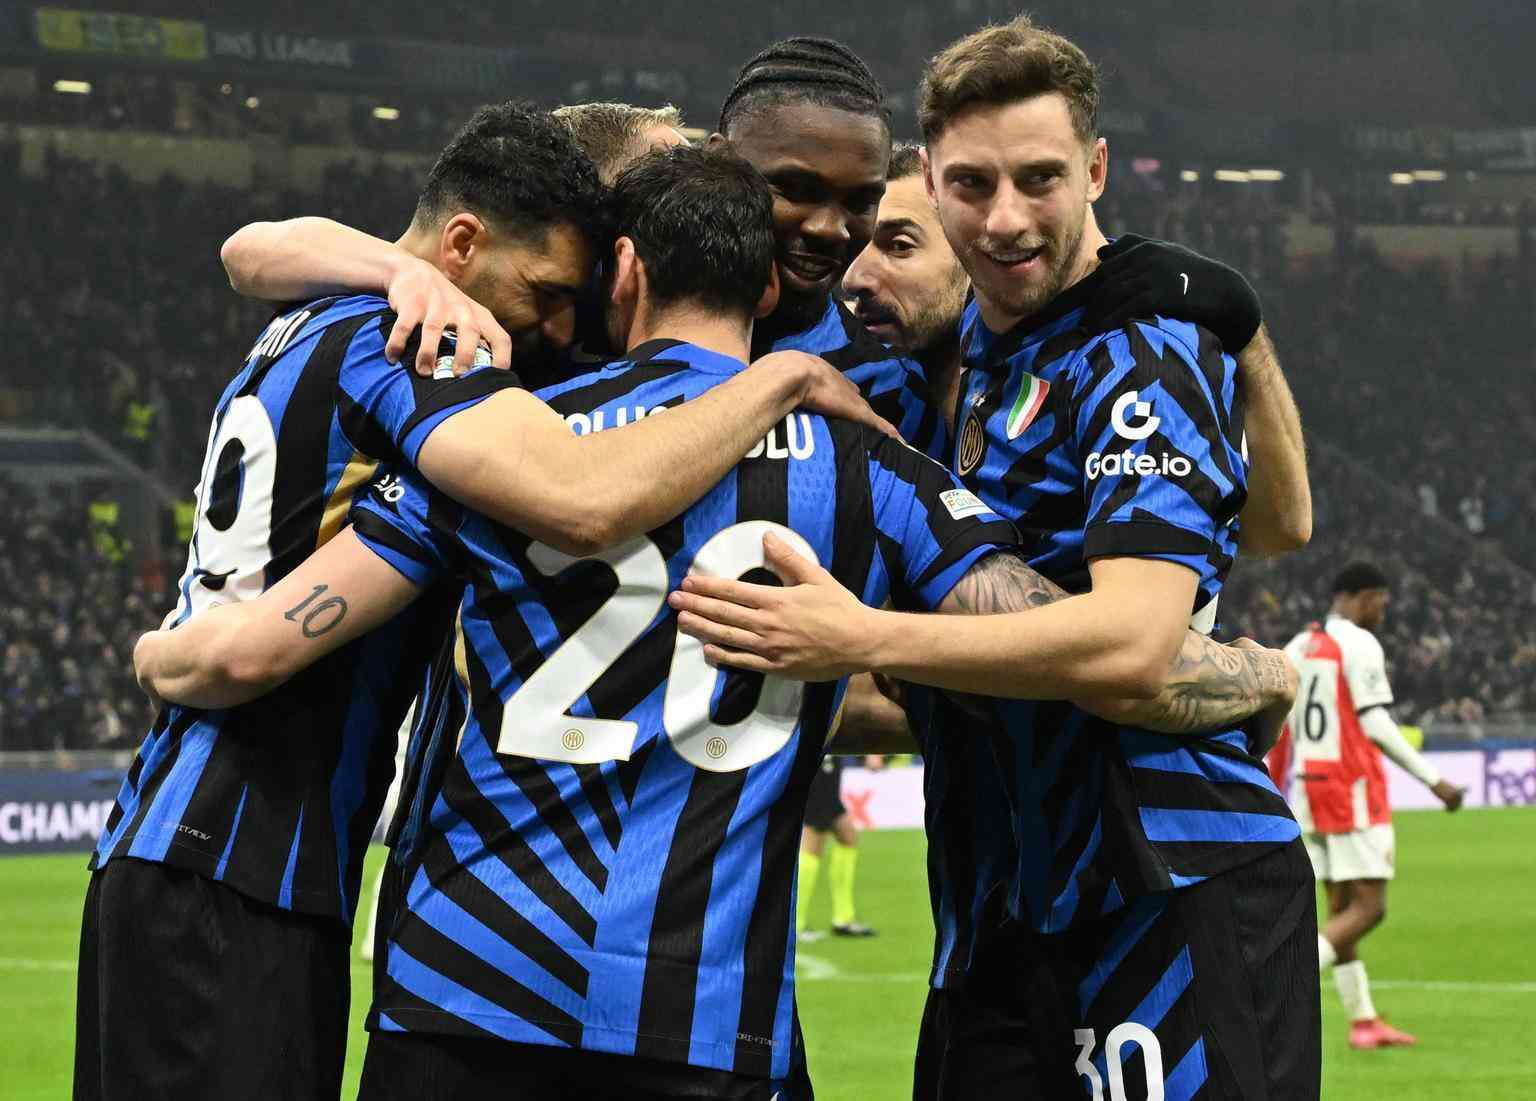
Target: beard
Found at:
x=939, y=321
x=1010, y=296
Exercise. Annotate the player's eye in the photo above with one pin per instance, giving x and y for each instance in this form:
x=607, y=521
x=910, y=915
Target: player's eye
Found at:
x=902, y=246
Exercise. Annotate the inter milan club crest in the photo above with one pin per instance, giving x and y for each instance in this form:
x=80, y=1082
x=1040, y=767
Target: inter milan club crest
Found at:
x=972, y=445
x=1027, y=405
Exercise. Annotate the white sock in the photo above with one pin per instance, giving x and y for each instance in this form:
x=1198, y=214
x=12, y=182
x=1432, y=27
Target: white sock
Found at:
x=1354, y=990
x=1327, y=955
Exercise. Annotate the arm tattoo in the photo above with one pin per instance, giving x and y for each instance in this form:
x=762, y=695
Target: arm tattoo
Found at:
x=1210, y=687
x=320, y=618
x=1001, y=583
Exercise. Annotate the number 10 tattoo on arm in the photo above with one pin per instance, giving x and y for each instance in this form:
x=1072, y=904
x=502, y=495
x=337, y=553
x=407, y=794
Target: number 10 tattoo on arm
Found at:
x=1209, y=687
x=317, y=618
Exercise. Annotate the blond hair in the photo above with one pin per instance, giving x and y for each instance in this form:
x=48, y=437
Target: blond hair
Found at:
x=613, y=134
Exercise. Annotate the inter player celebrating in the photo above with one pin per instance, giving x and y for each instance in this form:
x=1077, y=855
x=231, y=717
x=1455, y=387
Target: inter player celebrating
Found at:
x=1331, y=755
x=248, y=826
x=1119, y=455
x=609, y=858
x=910, y=289
x=609, y=863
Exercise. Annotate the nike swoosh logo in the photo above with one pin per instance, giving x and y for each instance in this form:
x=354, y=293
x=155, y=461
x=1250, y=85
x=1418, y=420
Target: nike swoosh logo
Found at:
x=1186, y=282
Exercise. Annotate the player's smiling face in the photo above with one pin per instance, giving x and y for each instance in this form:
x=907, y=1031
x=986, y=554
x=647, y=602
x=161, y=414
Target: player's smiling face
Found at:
x=531, y=286
x=827, y=170
x=907, y=286
x=1014, y=184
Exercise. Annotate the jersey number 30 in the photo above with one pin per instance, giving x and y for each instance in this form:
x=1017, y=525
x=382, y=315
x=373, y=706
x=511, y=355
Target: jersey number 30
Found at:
x=536, y=721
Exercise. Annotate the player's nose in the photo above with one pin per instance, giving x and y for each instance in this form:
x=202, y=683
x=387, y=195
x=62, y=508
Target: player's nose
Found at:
x=862, y=276
x=828, y=223
x=1009, y=214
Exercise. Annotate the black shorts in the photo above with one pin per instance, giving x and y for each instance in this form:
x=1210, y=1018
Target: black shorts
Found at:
x=418, y=1066
x=824, y=802
x=189, y=989
x=1212, y=988
x=997, y=1032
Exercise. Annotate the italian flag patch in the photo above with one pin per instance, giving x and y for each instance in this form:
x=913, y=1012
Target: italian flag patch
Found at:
x=1026, y=405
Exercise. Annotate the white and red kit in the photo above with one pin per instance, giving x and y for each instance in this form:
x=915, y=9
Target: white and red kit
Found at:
x=1331, y=752
x=1339, y=783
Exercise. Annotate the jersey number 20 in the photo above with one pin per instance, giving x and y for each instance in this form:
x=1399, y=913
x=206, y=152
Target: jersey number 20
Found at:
x=536, y=721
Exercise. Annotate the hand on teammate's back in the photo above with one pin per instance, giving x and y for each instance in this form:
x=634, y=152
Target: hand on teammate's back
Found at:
x=1263, y=727
x=809, y=629
x=1143, y=277
x=423, y=296
x=1449, y=794
x=827, y=390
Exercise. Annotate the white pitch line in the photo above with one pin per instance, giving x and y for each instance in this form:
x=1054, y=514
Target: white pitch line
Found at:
x=12, y=964
x=1464, y=987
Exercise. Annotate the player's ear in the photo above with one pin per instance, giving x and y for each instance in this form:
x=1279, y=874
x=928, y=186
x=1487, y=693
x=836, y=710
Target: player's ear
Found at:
x=770, y=299
x=716, y=142
x=625, y=286
x=922, y=156
x=1098, y=168
x=460, y=237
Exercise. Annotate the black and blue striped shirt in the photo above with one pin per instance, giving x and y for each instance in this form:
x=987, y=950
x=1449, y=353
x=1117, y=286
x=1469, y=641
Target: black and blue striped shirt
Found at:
x=606, y=846
x=278, y=797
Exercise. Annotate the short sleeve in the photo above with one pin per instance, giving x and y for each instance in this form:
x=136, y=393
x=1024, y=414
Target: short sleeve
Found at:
x=388, y=410
x=930, y=528
x=396, y=520
x=1365, y=668
x=1160, y=441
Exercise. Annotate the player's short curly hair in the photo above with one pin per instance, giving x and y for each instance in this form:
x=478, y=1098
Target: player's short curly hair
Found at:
x=906, y=160
x=1001, y=64
x=520, y=169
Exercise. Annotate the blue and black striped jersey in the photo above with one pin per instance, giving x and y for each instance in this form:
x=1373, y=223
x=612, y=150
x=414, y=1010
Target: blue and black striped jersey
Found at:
x=1126, y=443
x=966, y=815
x=895, y=386
x=278, y=798
x=607, y=860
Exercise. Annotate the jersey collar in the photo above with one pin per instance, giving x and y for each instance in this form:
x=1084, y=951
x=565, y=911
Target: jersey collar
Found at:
x=984, y=348
x=700, y=359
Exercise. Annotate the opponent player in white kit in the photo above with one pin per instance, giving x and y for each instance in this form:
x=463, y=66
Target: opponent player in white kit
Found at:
x=1331, y=752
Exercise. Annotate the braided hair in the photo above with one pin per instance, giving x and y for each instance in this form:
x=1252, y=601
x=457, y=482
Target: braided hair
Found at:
x=815, y=70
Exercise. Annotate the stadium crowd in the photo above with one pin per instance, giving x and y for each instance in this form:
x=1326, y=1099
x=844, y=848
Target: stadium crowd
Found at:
x=1402, y=371
x=67, y=629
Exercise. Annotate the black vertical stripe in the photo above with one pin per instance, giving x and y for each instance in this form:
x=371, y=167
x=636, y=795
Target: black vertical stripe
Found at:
x=853, y=516
x=770, y=925
x=677, y=931
x=303, y=450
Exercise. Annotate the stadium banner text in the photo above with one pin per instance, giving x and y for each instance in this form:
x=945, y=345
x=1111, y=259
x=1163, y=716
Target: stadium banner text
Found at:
x=55, y=811
x=892, y=798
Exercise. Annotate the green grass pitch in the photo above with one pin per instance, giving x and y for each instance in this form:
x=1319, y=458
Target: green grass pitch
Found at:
x=1454, y=964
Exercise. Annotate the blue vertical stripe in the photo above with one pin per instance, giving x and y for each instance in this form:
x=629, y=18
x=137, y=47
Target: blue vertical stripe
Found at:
x=285, y=892
x=157, y=830
x=234, y=828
